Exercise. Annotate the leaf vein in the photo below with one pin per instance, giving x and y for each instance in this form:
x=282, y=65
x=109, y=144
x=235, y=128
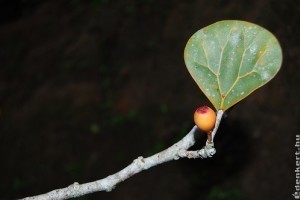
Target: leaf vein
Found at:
x=219, y=67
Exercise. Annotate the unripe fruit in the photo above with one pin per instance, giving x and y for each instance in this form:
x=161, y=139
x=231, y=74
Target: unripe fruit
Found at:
x=205, y=118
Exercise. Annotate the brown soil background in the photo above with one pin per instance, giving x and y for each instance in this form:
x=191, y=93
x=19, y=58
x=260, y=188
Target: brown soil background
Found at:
x=88, y=86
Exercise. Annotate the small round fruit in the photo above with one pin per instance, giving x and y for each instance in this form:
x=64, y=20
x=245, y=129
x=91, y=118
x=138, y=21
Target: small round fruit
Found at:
x=205, y=118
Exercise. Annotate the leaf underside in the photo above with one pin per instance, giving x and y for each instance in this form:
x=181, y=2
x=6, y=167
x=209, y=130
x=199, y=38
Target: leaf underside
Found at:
x=230, y=59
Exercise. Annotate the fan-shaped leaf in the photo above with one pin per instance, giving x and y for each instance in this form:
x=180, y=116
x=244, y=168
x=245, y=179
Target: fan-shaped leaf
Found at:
x=230, y=59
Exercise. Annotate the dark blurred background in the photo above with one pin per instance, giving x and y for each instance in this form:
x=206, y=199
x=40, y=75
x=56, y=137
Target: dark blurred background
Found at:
x=88, y=86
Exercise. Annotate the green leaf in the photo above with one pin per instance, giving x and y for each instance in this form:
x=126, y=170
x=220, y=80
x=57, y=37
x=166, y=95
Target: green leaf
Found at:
x=230, y=59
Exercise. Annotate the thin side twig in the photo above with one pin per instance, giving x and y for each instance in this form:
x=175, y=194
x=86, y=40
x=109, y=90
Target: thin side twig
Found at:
x=176, y=151
x=218, y=120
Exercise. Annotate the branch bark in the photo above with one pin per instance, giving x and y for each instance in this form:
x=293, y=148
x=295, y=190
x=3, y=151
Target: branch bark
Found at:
x=176, y=151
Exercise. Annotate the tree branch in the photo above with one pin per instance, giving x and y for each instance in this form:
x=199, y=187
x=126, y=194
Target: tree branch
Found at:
x=176, y=151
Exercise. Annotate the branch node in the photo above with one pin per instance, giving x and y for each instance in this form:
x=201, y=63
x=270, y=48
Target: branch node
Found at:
x=107, y=186
x=109, y=189
x=140, y=162
x=75, y=185
x=176, y=157
x=181, y=153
